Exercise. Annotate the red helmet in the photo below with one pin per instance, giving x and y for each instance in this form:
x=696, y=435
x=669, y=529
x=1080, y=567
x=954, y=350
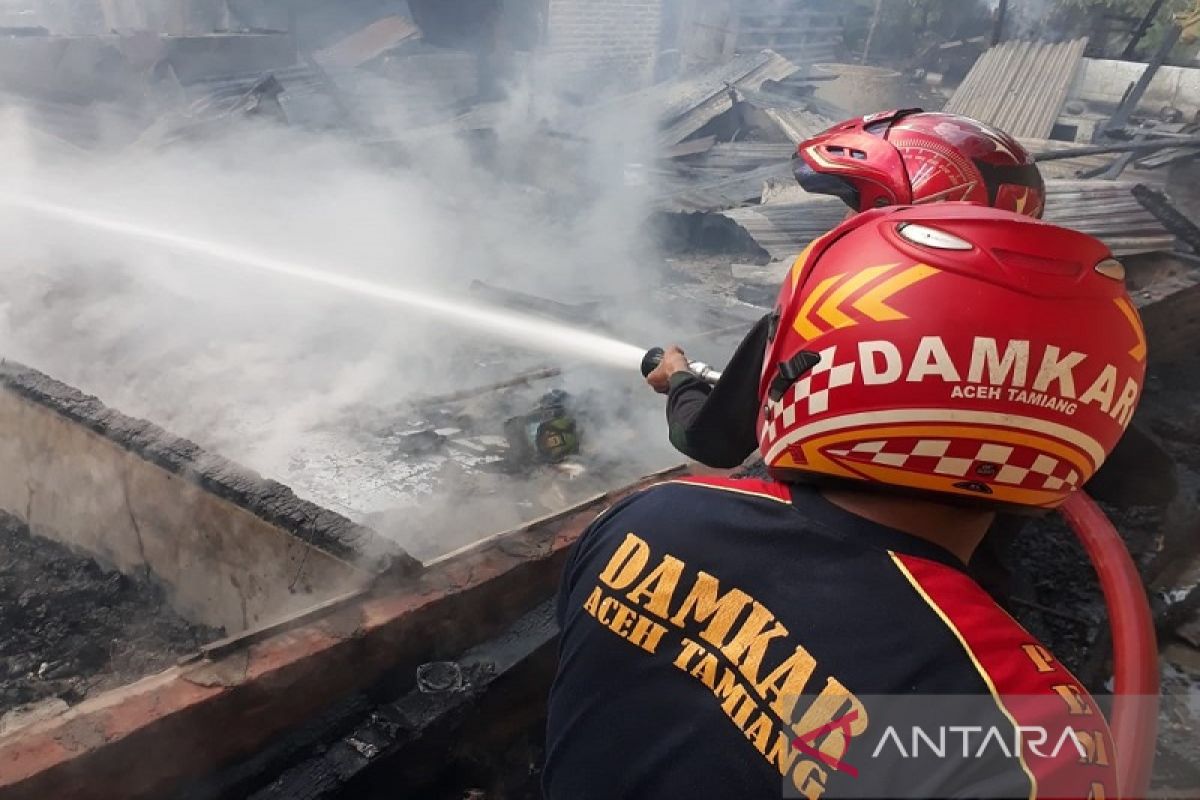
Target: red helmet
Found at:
x=911, y=157
x=952, y=349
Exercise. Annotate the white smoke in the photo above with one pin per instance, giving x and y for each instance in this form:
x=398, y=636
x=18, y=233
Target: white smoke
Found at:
x=281, y=374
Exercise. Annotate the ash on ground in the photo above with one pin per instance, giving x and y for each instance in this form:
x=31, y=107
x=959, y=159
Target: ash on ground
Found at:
x=70, y=629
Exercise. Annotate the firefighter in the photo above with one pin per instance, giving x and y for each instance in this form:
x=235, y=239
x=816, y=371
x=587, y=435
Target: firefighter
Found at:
x=891, y=158
x=927, y=367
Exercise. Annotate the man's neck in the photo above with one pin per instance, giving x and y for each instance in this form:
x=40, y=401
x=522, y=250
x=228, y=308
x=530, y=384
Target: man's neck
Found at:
x=952, y=528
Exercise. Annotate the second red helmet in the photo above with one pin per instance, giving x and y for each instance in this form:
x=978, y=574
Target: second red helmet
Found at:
x=911, y=157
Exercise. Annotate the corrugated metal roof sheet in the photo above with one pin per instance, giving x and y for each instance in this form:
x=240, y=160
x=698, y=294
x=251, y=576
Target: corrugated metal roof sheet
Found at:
x=418, y=89
x=797, y=119
x=717, y=190
x=729, y=174
x=737, y=156
x=784, y=229
x=689, y=105
x=1108, y=211
x=798, y=124
x=682, y=96
x=1104, y=209
x=1020, y=87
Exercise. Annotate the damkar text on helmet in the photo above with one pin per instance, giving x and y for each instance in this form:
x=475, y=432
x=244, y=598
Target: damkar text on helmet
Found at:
x=1015, y=371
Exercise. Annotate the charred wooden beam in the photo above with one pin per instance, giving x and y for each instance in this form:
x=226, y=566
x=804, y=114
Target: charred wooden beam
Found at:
x=437, y=705
x=1141, y=30
x=1148, y=145
x=1130, y=103
x=1161, y=207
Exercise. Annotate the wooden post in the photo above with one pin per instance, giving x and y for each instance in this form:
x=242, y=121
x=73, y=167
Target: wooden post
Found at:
x=1001, y=16
x=1148, y=20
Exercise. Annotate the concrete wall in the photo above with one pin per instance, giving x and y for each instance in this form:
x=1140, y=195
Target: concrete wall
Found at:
x=1104, y=81
x=610, y=42
x=231, y=549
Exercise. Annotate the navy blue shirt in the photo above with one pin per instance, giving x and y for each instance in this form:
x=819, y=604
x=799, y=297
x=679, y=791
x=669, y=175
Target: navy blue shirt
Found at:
x=708, y=624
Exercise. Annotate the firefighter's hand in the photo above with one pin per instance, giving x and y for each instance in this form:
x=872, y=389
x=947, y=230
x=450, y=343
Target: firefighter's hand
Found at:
x=673, y=361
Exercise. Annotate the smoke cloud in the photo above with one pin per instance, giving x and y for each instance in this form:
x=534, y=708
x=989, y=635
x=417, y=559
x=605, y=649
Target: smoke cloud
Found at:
x=306, y=385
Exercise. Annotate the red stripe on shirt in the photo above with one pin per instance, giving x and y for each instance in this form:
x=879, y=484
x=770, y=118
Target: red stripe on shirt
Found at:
x=1031, y=689
x=769, y=489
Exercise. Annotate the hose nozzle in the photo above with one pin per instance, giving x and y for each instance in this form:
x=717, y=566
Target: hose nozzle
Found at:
x=704, y=372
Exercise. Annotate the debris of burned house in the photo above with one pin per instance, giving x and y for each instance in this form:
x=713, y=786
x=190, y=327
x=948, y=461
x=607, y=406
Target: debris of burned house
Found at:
x=748, y=184
x=209, y=116
x=687, y=106
x=547, y=435
x=1161, y=207
x=423, y=667
x=72, y=630
x=1109, y=211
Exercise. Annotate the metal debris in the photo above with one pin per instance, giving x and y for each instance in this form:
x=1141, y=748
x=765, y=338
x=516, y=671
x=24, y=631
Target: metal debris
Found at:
x=1067, y=160
x=730, y=157
x=1070, y=151
x=795, y=113
x=798, y=124
x=728, y=175
x=691, y=147
x=716, y=190
x=1172, y=155
x=1105, y=209
x=440, y=676
x=1020, y=87
x=783, y=229
x=689, y=105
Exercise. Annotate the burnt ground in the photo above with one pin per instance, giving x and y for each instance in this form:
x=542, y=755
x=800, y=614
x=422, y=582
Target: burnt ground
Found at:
x=69, y=628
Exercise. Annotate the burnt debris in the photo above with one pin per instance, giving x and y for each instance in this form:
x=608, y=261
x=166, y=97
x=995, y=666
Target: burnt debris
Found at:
x=70, y=629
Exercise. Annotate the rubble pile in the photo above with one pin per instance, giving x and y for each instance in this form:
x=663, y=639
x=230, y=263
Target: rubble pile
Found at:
x=70, y=629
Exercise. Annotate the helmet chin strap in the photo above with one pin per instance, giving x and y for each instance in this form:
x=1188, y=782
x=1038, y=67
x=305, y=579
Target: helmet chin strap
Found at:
x=791, y=371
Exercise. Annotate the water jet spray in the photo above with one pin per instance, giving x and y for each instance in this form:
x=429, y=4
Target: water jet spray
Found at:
x=535, y=333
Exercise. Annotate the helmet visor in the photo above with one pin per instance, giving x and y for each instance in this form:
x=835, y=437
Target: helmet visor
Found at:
x=819, y=183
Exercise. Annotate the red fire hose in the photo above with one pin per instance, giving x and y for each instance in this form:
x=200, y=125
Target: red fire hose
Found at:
x=1135, y=651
